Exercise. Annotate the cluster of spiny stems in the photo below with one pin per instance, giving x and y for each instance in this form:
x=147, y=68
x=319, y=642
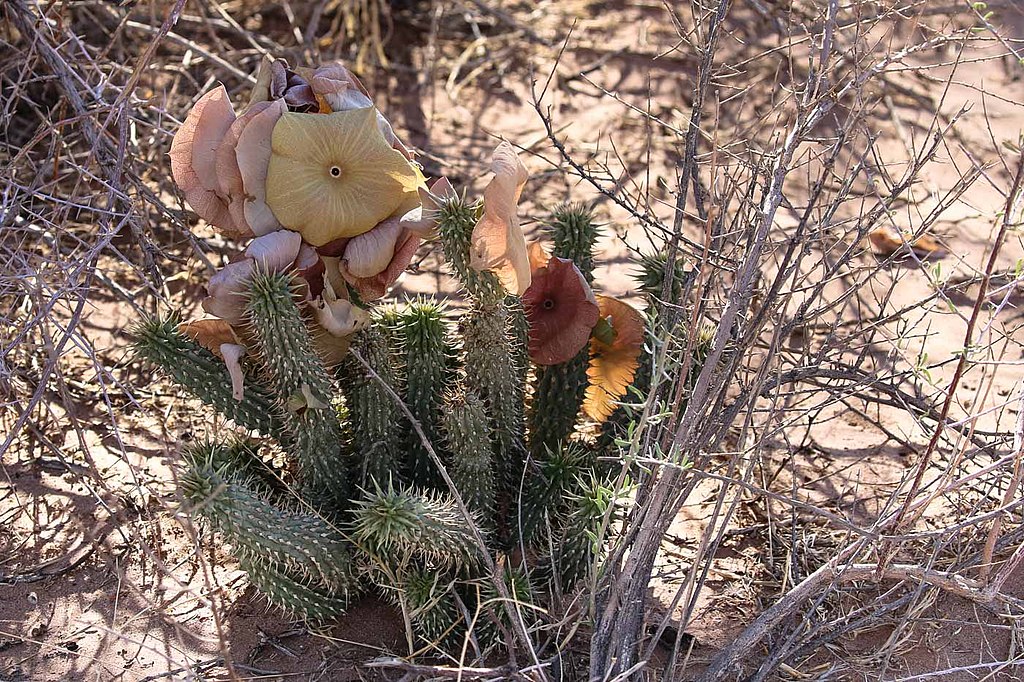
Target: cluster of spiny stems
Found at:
x=359, y=502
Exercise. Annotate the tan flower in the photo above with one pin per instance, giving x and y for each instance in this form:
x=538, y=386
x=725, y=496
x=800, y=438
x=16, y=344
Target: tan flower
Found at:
x=341, y=91
x=334, y=175
x=560, y=308
x=194, y=160
x=615, y=350
x=252, y=154
x=498, y=244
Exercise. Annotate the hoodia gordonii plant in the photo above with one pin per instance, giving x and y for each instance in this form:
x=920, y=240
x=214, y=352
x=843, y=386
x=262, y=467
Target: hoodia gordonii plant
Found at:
x=432, y=453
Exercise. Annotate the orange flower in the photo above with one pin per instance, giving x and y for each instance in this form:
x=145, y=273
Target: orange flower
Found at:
x=560, y=308
x=498, y=244
x=614, y=355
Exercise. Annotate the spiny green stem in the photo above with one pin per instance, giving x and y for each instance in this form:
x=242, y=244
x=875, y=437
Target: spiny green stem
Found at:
x=376, y=422
x=304, y=387
x=423, y=337
x=467, y=434
x=204, y=375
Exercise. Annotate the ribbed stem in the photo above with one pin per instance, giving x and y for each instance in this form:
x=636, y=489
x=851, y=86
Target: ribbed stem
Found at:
x=294, y=594
x=430, y=601
x=396, y=522
x=467, y=433
x=203, y=374
x=236, y=505
x=300, y=378
x=491, y=373
x=376, y=420
x=423, y=337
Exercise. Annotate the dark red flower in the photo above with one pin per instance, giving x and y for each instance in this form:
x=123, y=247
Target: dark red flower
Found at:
x=560, y=308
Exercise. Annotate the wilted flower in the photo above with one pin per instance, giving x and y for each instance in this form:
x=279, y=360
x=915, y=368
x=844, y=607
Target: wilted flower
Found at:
x=372, y=262
x=615, y=349
x=274, y=252
x=560, y=308
x=498, y=244
x=252, y=155
x=220, y=338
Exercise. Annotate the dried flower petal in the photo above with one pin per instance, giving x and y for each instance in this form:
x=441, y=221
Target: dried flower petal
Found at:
x=271, y=80
x=193, y=157
x=252, y=152
x=229, y=176
x=340, y=318
x=498, y=244
x=613, y=365
x=333, y=175
x=276, y=251
x=561, y=310
x=226, y=292
x=887, y=241
x=232, y=354
x=209, y=332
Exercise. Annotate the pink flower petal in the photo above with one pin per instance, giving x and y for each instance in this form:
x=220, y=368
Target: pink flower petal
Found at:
x=340, y=317
x=193, y=157
x=228, y=174
x=226, y=291
x=252, y=152
x=372, y=288
x=369, y=253
x=276, y=251
x=271, y=80
x=498, y=244
x=232, y=354
x=374, y=260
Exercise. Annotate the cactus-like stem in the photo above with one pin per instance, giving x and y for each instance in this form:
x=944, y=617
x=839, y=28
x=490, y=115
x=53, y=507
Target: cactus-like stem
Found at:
x=574, y=234
x=376, y=421
x=221, y=490
x=519, y=339
x=559, y=390
x=577, y=547
x=395, y=523
x=204, y=375
x=297, y=595
x=301, y=379
x=456, y=219
x=467, y=436
x=491, y=373
x=548, y=489
x=430, y=602
x=422, y=334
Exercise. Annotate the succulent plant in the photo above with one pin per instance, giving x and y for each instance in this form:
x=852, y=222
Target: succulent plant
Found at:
x=405, y=459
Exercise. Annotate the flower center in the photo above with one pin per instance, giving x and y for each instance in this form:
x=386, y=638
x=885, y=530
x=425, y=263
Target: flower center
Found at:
x=335, y=172
x=548, y=304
